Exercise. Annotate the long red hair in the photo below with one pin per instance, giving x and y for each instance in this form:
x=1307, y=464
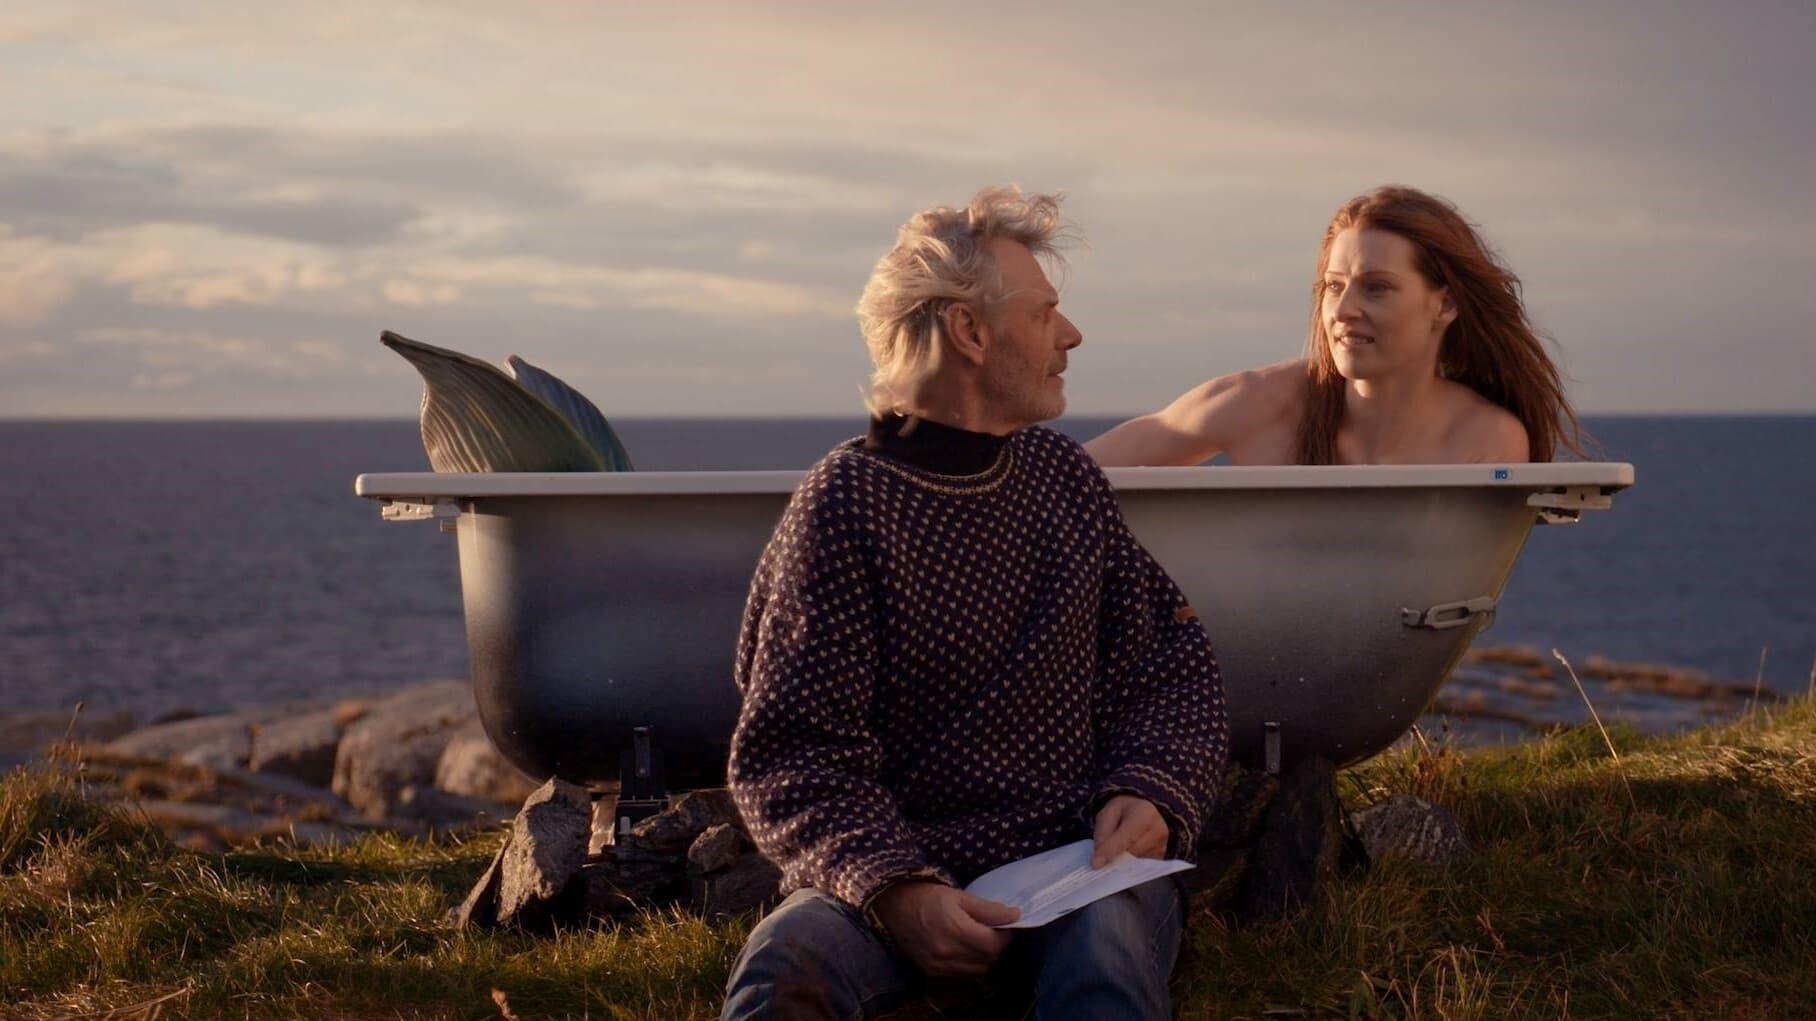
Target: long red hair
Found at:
x=1491, y=347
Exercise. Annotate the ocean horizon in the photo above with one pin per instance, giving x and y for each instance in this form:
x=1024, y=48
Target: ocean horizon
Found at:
x=216, y=563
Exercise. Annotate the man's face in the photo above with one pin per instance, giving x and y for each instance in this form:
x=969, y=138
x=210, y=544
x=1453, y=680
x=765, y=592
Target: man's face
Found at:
x=1025, y=341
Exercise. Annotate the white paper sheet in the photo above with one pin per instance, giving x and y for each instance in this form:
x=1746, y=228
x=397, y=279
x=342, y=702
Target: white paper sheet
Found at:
x=1053, y=883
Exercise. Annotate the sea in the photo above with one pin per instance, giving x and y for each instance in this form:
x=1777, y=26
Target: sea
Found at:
x=158, y=566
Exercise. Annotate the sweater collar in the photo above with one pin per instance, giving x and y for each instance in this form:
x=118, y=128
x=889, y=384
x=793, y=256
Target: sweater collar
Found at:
x=931, y=446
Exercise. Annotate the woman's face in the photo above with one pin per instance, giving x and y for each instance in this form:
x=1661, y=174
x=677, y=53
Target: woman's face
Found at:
x=1380, y=315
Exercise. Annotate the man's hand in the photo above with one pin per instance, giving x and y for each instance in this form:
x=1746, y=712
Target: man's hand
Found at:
x=1128, y=823
x=944, y=931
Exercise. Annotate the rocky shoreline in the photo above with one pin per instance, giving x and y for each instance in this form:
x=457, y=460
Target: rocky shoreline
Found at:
x=1512, y=693
x=415, y=761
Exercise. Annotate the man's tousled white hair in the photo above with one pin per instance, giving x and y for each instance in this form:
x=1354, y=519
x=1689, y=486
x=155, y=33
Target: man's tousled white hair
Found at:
x=940, y=257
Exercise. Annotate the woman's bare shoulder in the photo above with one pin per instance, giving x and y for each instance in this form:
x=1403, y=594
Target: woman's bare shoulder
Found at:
x=1282, y=381
x=1485, y=431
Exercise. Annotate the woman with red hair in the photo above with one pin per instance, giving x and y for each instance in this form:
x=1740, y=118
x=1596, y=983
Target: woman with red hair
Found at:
x=1420, y=352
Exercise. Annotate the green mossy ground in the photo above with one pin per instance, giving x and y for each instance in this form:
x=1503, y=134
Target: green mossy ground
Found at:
x=1675, y=880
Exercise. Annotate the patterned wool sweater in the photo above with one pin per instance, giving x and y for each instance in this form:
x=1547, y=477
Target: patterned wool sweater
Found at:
x=942, y=674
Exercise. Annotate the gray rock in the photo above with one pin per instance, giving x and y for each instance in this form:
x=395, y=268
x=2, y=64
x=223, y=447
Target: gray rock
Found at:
x=157, y=778
x=670, y=832
x=617, y=888
x=694, y=852
x=212, y=741
x=479, y=910
x=472, y=766
x=546, y=846
x=725, y=875
x=750, y=882
x=607, y=890
x=221, y=819
x=26, y=735
x=541, y=856
x=441, y=810
x=1301, y=839
x=662, y=837
x=398, y=743
x=286, y=792
x=708, y=807
x=300, y=747
x=716, y=848
x=233, y=827
x=1405, y=826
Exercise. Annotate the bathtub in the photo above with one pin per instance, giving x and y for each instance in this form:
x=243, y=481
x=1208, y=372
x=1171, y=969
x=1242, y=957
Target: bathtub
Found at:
x=602, y=608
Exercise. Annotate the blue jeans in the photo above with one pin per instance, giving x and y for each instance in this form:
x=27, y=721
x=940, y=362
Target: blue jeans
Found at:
x=815, y=957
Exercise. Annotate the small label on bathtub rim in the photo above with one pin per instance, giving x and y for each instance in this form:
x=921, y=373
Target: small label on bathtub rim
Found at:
x=1502, y=474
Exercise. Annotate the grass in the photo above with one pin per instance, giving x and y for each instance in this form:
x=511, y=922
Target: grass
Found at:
x=1694, y=895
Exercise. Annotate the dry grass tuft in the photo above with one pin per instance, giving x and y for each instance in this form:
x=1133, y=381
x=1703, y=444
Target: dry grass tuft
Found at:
x=1597, y=717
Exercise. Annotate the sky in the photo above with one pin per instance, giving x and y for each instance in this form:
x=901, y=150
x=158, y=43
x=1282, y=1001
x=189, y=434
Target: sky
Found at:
x=213, y=209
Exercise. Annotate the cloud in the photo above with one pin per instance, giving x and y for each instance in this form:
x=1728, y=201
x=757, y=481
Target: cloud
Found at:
x=259, y=285
x=26, y=351
x=203, y=270
x=566, y=171
x=728, y=185
x=354, y=195
x=496, y=166
x=592, y=286
x=176, y=358
x=33, y=279
x=71, y=188
x=172, y=379
x=412, y=294
x=199, y=268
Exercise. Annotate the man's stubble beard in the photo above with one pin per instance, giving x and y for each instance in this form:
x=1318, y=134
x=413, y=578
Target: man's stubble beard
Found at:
x=1021, y=391
x=1025, y=405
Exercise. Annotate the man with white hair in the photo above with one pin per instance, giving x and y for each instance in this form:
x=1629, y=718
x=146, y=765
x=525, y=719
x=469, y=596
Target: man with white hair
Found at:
x=955, y=655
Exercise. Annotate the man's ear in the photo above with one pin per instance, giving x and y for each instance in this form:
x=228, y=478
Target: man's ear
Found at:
x=965, y=332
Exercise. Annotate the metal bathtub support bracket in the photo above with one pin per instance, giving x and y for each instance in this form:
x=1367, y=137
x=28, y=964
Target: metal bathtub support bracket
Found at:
x=444, y=511
x=1566, y=504
x=642, y=791
x=1445, y=616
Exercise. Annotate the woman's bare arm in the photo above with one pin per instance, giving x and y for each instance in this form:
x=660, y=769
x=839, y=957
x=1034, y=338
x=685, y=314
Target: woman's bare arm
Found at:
x=1211, y=417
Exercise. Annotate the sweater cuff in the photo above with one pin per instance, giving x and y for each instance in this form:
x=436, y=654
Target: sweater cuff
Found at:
x=859, y=882
x=875, y=921
x=1180, y=815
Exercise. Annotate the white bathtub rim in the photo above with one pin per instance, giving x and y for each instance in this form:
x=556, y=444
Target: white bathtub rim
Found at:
x=1610, y=477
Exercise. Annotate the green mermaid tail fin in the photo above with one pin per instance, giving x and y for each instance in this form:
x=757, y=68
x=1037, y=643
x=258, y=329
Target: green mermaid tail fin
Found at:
x=572, y=405
x=477, y=419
